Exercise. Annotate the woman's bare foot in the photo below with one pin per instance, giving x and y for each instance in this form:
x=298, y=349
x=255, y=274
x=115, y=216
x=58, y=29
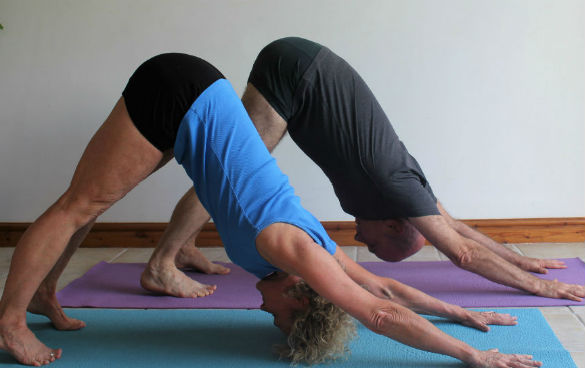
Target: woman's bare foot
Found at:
x=45, y=303
x=191, y=257
x=172, y=281
x=23, y=345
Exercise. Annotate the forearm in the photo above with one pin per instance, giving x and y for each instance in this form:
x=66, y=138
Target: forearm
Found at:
x=405, y=326
x=420, y=302
x=470, y=233
x=480, y=260
x=471, y=256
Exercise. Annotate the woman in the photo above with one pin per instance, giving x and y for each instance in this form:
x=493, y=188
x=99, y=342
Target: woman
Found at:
x=176, y=104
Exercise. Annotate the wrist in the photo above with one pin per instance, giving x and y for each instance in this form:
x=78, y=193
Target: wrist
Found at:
x=469, y=355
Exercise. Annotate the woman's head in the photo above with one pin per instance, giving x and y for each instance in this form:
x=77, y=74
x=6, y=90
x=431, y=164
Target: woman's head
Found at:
x=317, y=329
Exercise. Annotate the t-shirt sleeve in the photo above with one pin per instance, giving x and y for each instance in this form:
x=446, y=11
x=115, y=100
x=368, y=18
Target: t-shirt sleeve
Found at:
x=400, y=179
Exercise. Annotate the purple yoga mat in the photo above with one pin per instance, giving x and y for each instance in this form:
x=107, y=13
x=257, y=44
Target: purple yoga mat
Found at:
x=445, y=281
x=116, y=285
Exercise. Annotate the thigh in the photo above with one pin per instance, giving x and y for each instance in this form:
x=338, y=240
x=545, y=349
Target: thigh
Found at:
x=116, y=159
x=269, y=124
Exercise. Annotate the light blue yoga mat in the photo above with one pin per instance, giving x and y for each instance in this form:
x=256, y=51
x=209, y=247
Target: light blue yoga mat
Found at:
x=243, y=338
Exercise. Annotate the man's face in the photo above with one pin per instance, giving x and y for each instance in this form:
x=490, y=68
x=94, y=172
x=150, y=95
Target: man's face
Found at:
x=391, y=240
x=276, y=301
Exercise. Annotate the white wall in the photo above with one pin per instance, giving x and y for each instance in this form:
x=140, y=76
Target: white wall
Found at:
x=487, y=95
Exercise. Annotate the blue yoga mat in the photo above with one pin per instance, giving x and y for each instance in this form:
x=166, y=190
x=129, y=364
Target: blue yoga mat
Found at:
x=243, y=338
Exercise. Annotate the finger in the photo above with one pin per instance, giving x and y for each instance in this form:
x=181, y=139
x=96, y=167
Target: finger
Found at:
x=573, y=297
x=501, y=319
x=507, y=320
x=553, y=263
x=522, y=361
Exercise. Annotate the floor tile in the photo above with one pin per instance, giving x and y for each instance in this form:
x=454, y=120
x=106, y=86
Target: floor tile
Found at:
x=134, y=255
x=553, y=250
x=514, y=248
x=579, y=359
x=5, y=257
x=567, y=327
x=215, y=254
x=2, y=282
x=580, y=313
x=83, y=260
x=427, y=253
x=351, y=251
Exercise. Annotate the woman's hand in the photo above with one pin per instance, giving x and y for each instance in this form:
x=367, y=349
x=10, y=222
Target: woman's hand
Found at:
x=481, y=320
x=493, y=359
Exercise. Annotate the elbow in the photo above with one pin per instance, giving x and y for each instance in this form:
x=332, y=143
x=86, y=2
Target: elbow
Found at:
x=465, y=257
x=385, y=319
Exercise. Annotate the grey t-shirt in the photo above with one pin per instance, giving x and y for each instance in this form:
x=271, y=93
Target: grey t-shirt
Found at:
x=335, y=119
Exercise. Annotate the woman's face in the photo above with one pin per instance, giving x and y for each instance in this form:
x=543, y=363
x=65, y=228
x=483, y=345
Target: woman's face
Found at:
x=276, y=301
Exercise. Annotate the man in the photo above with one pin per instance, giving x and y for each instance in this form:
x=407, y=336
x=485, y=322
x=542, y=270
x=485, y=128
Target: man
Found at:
x=302, y=87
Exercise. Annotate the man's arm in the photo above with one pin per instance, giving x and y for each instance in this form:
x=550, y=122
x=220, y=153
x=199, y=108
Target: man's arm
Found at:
x=471, y=256
x=525, y=263
x=416, y=300
x=321, y=271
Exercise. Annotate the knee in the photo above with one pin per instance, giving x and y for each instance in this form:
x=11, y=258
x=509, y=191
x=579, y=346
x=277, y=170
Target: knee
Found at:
x=82, y=208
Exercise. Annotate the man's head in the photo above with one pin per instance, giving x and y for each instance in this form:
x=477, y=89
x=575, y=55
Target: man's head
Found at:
x=317, y=330
x=391, y=240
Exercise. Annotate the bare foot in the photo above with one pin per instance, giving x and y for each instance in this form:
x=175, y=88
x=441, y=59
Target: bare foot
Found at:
x=191, y=257
x=46, y=303
x=23, y=345
x=172, y=281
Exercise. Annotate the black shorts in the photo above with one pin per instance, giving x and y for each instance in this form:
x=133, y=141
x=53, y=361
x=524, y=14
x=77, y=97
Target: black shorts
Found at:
x=160, y=92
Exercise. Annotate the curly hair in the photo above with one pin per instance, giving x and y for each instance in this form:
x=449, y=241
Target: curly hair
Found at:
x=319, y=333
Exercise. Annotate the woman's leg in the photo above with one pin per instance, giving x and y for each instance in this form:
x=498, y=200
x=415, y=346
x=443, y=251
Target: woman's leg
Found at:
x=45, y=299
x=116, y=159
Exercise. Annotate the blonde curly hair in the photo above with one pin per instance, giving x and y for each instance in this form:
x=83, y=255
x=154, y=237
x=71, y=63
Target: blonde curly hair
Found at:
x=319, y=333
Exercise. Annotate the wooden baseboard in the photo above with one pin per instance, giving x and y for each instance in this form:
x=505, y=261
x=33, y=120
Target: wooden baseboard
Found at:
x=145, y=235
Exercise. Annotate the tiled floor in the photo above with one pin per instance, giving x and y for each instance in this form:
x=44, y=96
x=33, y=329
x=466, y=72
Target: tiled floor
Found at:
x=568, y=323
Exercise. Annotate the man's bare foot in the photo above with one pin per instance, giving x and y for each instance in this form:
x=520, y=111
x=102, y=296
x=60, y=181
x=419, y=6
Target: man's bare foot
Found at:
x=45, y=303
x=191, y=257
x=23, y=345
x=171, y=281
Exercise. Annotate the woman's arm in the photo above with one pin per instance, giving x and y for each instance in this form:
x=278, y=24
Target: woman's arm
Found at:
x=418, y=301
x=298, y=254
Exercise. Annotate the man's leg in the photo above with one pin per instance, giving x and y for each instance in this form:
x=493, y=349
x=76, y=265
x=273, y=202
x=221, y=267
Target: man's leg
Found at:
x=116, y=159
x=176, y=247
x=176, y=250
x=269, y=124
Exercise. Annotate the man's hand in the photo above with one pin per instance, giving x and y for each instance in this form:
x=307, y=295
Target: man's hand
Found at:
x=560, y=290
x=493, y=359
x=481, y=320
x=539, y=265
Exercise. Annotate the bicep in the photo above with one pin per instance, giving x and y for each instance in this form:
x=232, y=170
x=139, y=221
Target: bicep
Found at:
x=326, y=276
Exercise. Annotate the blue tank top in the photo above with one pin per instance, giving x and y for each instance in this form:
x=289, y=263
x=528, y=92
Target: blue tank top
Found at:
x=236, y=178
